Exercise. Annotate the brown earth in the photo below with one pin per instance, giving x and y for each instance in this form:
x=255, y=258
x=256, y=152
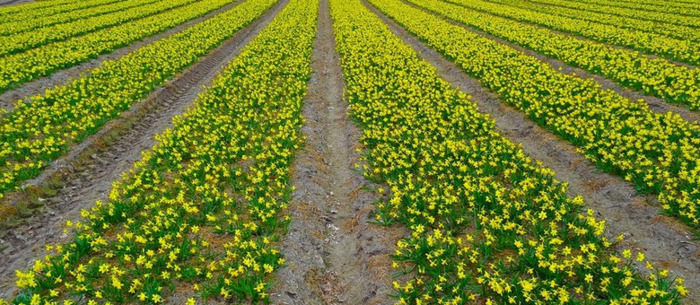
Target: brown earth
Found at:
x=334, y=254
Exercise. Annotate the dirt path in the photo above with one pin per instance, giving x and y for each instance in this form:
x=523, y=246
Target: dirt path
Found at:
x=666, y=242
x=39, y=85
x=656, y=104
x=90, y=168
x=334, y=256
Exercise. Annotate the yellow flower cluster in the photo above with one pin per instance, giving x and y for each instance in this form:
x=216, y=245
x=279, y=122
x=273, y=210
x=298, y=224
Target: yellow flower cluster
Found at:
x=658, y=77
x=20, y=42
x=488, y=225
x=22, y=67
x=36, y=9
x=200, y=213
x=19, y=26
x=658, y=153
x=670, y=30
x=669, y=7
x=637, y=14
x=37, y=132
x=677, y=49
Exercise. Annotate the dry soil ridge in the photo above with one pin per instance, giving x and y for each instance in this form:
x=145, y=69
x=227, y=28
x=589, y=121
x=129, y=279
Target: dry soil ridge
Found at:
x=334, y=255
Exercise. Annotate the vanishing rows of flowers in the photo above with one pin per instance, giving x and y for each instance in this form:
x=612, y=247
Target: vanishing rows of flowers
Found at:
x=21, y=42
x=651, y=43
x=657, y=77
x=46, y=8
x=488, y=225
x=670, y=30
x=39, y=131
x=19, y=26
x=22, y=67
x=604, y=7
x=658, y=153
x=199, y=215
x=667, y=7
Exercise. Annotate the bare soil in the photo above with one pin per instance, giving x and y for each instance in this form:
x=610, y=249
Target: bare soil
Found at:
x=91, y=167
x=666, y=242
x=39, y=85
x=334, y=255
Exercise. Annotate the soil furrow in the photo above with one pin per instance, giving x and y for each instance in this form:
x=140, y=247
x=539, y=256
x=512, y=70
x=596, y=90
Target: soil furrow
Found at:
x=656, y=104
x=334, y=255
x=39, y=85
x=666, y=242
x=90, y=168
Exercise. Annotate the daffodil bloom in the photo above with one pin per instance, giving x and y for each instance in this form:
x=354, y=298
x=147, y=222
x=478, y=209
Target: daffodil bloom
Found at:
x=487, y=223
x=656, y=77
x=189, y=211
x=44, y=128
x=673, y=48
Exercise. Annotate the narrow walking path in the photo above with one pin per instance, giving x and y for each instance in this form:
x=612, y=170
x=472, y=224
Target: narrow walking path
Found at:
x=334, y=255
x=666, y=242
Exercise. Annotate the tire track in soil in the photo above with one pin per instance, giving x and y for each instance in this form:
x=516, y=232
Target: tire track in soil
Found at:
x=666, y=242
x=655, y=104
x=89, y=177
x=334, y=255
x=63, y=76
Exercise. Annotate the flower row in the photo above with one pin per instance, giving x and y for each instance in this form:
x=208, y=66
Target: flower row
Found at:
x=671, y=48
x=19, y=68
x=617, y=11
x=21, y=42
x=666, y=29
x=657, y=77
x=680, y=3
x=198, y=216
x=669, y=7
x=46, y=8
x=20, y=26
x=658, y=153
x=44, y=128
x=487, y=224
